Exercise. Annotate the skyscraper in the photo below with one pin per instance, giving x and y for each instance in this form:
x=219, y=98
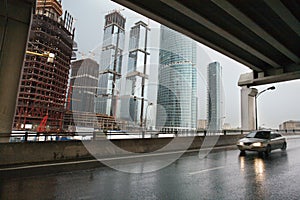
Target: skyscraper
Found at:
x=176, y=99
x=135, y=100
x=83, y=84
x=80, y=115
x=111, y=63
x=214, y=111
x=44, y=84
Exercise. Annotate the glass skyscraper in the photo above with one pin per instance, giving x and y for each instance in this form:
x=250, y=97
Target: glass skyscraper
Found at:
x=176, y=99
x=135, y=101
x=110, y=64
x=214, y=111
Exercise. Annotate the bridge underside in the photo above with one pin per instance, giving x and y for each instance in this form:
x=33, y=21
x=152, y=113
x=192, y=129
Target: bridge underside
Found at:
x=15, y=19
x=262, y=34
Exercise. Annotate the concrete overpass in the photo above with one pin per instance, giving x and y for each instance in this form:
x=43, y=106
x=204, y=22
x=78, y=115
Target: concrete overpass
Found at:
x=262, y=34
x=15, y=19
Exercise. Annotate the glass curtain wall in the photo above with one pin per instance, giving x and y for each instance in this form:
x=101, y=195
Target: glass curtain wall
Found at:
x=176, y=99
x=110, y=64
x=137, y=75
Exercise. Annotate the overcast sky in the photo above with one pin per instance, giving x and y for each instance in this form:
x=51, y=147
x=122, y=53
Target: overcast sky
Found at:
x=274, y=107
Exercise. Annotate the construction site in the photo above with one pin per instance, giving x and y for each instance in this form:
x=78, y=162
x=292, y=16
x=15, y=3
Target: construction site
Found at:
x=49, y=99
x=81, y=99
x=75, y=120
x=44, y=82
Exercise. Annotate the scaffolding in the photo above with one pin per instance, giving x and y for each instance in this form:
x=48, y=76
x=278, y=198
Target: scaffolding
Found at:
x=75, y=119
x=43, y=85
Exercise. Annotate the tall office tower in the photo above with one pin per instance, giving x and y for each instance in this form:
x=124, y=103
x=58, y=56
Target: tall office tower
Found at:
x=81, y=96
x=176, y=98
x=111, y=64
x=214, y=111
x=83, y=84
x=43, y=87
x=137, y=75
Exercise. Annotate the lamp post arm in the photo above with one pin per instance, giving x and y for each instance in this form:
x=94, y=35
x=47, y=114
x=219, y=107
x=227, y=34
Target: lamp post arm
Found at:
x=256, y=96
x=270, y=88
x=261, y=92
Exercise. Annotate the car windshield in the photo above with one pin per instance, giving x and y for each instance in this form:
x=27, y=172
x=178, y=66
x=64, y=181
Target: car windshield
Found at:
x=259, y=134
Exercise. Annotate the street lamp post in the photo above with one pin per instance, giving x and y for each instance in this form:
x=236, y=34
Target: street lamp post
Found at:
x=145, y=125
x=256, y=96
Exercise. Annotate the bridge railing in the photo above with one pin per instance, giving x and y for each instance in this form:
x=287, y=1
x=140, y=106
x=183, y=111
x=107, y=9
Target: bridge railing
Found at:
x=29, y=136
x=289, y=131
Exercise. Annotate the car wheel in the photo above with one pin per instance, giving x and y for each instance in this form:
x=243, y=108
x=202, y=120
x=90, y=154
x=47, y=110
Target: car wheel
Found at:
x=242, y=152
x=268, y=150
x=284, y=146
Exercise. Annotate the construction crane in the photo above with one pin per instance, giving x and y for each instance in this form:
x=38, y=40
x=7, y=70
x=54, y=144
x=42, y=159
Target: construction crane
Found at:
x=45, y=54
x=42, y=127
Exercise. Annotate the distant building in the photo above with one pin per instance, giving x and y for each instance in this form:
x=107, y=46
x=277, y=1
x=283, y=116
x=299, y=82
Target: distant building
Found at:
x=135, y=100
x=81, y=99
x=110, y=64
x=290, y=125
x=177, y=89
x=83, y=85
x=43, y=85
x=214, y=111
x=226, y=126
x=201, y=124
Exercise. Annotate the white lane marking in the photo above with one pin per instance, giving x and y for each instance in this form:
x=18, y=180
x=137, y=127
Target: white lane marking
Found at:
x=140, y=155
x=46, y=165
x=205, y=170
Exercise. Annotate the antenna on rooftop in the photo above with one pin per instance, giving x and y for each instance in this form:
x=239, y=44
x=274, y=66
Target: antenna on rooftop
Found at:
x=116, y=10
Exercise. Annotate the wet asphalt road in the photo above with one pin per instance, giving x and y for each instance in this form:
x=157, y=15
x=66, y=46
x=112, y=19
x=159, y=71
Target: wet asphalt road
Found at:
x=221, y=175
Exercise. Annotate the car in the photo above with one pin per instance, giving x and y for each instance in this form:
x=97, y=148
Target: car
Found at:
x=262, y=141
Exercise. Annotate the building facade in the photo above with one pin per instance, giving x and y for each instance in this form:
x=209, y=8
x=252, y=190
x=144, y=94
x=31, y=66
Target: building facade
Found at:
x=43, y=85
x=83, y=85
x=135, y=101
x=111, y=64
x=176, y=97
x=290, y=125
x=214, y=95
x=201, y=124
x=80, y=112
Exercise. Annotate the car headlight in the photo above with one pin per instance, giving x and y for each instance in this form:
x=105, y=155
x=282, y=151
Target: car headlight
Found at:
x=257, y=144
x=241, y=143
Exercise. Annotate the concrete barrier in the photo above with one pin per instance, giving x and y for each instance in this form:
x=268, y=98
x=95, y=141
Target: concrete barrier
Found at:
x=60, y=151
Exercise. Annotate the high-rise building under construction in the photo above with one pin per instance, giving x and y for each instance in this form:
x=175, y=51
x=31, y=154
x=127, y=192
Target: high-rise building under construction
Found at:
x=43, y=86
x=135, y=101
x=80, y=115
x=83, y=85
x=110, y=64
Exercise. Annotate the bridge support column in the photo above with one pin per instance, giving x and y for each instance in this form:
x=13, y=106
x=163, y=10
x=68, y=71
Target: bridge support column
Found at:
x=15, y=20
x=248, y=114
